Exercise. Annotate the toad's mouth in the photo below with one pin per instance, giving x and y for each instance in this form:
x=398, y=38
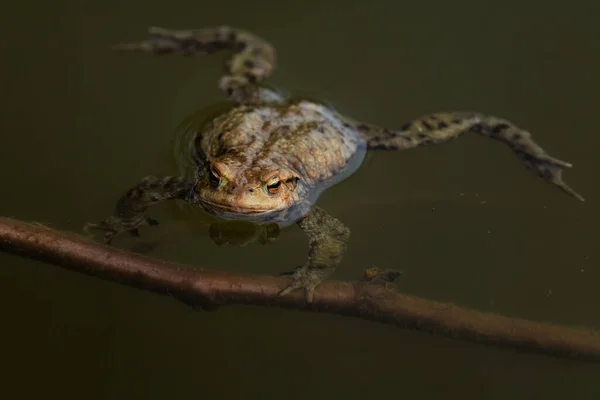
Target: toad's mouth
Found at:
x=235, y=209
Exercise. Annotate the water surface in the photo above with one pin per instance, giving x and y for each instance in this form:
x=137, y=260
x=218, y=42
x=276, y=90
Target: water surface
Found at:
x=465, y=221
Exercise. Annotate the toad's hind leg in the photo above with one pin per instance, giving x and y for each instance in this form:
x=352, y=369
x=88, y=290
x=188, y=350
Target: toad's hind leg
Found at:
x=442, y=127
x=129, y=212
x=252, y=61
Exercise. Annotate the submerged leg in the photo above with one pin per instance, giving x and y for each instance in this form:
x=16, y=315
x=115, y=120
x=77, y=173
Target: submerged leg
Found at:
x=327, y=240
x=442, y=127
x=253, y=58
x=129, y=213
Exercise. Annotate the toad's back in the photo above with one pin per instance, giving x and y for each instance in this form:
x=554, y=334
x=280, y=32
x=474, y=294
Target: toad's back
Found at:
x=303, y=136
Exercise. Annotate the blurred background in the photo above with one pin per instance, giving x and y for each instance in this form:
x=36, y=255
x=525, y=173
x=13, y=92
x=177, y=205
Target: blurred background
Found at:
x=466, y=221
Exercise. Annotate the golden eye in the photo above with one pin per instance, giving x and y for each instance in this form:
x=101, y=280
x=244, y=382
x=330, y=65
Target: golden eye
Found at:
x=214, y=177
x=273, y=186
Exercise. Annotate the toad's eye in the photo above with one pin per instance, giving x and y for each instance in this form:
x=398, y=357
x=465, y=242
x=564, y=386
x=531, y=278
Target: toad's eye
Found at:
x=273, y=185
x=214, y=177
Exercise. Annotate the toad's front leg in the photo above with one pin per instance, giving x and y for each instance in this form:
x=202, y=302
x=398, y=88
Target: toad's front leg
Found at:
x=130, y=210
x=327, y=240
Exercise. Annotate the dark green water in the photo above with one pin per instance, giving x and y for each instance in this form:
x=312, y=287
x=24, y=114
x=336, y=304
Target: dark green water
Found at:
x=81, y=124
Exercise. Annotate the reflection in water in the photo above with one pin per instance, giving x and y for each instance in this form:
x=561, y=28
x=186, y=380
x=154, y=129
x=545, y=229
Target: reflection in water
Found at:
x=241, y=233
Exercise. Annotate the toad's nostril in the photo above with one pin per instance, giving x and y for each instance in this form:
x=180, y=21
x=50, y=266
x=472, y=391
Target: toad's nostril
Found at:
x=251, y=190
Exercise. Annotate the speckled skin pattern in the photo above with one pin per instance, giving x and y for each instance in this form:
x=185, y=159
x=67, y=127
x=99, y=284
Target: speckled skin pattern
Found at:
x=268, y=158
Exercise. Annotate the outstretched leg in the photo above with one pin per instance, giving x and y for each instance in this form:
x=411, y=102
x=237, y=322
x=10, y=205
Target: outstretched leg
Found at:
x=442, y=127
x=327, y=240
x=253, y=58
x=129, y=213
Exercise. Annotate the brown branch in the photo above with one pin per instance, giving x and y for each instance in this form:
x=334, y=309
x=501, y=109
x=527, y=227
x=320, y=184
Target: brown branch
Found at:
x=376, y=302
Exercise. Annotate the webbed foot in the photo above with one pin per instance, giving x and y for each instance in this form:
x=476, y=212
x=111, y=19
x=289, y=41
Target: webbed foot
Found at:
x=550, y=169
x=307, y=278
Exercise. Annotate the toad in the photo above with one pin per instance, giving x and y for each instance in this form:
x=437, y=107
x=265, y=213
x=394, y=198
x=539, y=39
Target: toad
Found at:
x=268, y=158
